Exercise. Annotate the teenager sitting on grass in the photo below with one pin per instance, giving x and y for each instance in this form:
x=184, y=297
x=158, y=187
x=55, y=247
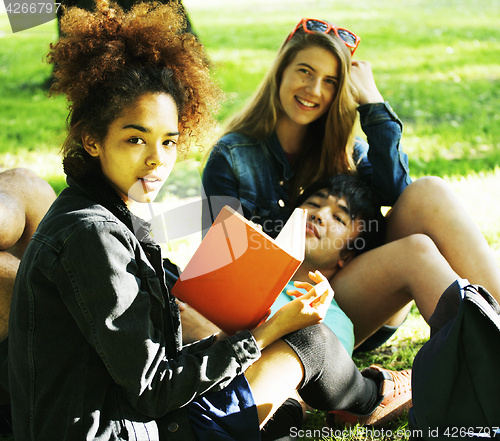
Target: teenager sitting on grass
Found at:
x=94, y=333
x=343, y=222
x=341, y=212
x=298, y=128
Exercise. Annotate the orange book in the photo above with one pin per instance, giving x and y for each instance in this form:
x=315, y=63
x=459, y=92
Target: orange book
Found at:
x=238, y=271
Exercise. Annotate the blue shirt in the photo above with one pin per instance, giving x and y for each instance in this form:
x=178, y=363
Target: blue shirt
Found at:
x=335, y=318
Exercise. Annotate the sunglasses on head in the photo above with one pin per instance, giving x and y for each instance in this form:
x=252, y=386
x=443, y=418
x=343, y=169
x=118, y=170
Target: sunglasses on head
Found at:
x=311, y=25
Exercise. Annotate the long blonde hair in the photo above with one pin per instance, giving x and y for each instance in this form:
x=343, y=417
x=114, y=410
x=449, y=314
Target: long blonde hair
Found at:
x=330, y=138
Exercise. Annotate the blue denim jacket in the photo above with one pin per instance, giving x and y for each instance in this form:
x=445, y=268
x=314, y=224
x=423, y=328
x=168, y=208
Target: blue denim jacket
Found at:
x=95, y=341
x=257, y=174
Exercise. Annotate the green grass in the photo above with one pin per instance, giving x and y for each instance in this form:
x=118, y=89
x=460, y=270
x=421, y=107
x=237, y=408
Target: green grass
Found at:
x=436, y=61
x=396, y=354
x=31, y=126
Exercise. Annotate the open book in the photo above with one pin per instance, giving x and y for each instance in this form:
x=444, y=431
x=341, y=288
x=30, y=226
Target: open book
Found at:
x=238, y=271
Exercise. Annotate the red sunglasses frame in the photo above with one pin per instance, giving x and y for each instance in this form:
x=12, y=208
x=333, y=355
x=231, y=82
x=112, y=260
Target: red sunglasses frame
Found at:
x=329, y=28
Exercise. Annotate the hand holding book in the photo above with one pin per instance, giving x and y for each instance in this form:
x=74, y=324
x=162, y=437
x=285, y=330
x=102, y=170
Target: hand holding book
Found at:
x=238, y=271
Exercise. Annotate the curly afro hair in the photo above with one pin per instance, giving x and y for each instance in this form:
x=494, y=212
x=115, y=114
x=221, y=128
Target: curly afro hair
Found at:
x=106, y=59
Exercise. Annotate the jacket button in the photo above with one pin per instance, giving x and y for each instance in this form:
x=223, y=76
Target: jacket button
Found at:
x=281, y=203
x=282, y=183
x=172, y=427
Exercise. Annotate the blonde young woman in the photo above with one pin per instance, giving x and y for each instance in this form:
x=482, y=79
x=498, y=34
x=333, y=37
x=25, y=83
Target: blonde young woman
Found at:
x=298, y=128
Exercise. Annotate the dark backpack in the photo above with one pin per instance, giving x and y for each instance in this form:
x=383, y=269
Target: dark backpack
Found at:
x=456, y=374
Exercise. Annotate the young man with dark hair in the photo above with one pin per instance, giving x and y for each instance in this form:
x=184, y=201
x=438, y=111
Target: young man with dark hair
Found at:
x=343, y=220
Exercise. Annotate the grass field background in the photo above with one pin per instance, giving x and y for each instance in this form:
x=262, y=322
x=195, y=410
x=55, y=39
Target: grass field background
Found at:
x=435, y=61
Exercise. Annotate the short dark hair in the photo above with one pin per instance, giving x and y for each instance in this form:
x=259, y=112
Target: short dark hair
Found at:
x=361, y=202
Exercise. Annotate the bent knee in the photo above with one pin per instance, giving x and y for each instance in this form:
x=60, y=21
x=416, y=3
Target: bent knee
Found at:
x=423, y=197
x=308, y=341
x=420, y=245
x=428, y=186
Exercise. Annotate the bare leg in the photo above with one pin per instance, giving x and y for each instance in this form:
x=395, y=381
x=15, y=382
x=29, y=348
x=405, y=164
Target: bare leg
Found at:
x=397, y=319
x=24, y=200
x=429, y=206
x=377, y=285
x=8, y=270
x=194, y=325
x=273, y=378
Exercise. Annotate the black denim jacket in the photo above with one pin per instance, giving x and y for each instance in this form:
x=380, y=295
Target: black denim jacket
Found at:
x=95, y=342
